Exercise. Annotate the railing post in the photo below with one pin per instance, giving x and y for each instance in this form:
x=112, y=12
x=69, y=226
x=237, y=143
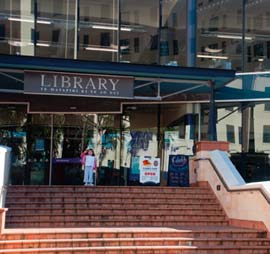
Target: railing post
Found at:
x=2, y=219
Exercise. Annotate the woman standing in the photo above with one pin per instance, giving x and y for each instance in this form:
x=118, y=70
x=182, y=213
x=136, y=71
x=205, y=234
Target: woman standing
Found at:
x=90, y=165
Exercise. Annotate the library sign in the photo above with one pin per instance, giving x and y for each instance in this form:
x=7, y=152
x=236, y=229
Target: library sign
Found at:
x=55, y=83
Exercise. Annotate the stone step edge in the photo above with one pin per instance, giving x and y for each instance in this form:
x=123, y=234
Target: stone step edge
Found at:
x=130, y=209
x=123, y=248
x=123, y=207
x=198, y=217
x=128, y=239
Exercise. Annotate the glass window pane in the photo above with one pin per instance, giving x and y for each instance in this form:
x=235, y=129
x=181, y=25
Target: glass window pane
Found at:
x=219, y=33
x=55, y=28
x=13, y=133
x=98, y=30
x=16, y=27
x=173, y=33
x=139, y=31
x=257, y=36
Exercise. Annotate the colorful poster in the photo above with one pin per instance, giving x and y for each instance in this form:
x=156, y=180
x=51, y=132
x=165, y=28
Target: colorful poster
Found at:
x=149, y=170
x=178, y=174
x=40, y=144
x=135, y=169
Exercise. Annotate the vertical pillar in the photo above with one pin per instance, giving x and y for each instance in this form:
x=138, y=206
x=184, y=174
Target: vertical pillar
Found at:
x=119, y=53
x=243, y=34
x=27, y=28
x=51, y=152
x=191, y=32
x=159, y=30
x=76, y=28
x=212, y=116
x=2, y=219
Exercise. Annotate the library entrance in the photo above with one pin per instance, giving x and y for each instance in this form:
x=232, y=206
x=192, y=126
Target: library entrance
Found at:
x=46, y=147
x=52, y=109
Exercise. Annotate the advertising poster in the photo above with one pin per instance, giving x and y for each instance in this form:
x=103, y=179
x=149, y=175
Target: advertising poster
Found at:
x=178, y=172
x=149, y=170
x=135, y=169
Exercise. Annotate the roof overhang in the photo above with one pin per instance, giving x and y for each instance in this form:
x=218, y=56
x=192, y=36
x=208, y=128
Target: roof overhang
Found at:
x=151, y=82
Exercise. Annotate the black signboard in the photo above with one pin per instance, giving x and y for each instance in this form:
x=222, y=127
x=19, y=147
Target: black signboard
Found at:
x=56, y=83
x=178, y=171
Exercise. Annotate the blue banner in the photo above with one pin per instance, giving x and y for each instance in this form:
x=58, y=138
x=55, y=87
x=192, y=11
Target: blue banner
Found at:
x=178, y=171
x=66, y=160
x=134, y=173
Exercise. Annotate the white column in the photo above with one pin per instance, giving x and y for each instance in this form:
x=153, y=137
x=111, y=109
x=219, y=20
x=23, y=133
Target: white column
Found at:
x=26, y=26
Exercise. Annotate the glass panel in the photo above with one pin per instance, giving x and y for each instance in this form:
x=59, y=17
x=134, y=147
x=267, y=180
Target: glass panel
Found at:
x=73, y=134
x=219, y=33
x=107, y=147
x=139, y=138
x=253, y=163
x=180, y=131
x=13, y=133
x=173, y=33
x=139, y=31
x=257, y=35
x=16, y=27
x=55, y=28
x=38, y=149
x=69, y=135
x=98, y=30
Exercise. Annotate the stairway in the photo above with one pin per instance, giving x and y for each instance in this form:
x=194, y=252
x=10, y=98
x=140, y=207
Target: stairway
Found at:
x=112, y=220
x=80, y=206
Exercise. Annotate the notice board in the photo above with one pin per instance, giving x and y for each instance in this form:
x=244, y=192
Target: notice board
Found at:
x=178, y=170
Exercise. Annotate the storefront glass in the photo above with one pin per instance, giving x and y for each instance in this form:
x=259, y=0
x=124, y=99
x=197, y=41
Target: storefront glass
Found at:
x=55, y=28
x=257, y=57
x=219, y=34
x=46, y=148
x=98, y=25
x=173, y=33
x=13, y=133
x=139, y=34
x=16, y=27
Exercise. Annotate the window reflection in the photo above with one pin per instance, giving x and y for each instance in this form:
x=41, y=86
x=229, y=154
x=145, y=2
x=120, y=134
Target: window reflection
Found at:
x=55, y=28
x=139, y=32
x=16, y=27
x=258, y=28
x=173, y=33
x=219, y=34
x=98, y=30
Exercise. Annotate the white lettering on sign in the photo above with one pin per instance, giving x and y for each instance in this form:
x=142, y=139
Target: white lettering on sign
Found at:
x=77, y=84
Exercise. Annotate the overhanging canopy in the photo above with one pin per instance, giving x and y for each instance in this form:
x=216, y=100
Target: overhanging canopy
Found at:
x=150, y=81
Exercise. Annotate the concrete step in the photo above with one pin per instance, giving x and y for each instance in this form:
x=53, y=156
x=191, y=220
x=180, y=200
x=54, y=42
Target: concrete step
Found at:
x=109, y=211
x=154, y=241
x=109, y=223
x=147, y=250
x=104, y=189
x=94, y=200
x=83, y=205
x=133, y=232
x=110, y=217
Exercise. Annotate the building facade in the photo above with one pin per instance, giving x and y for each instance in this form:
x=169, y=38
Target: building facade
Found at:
x=47, y=132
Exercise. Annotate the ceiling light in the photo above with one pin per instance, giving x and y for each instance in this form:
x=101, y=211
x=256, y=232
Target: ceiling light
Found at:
x=44, y=22
x=207, y=49
x=43, y=44
x=101, y=49
x=111, y=28
x=30, y=20
x=236, y=37
x=213, y=57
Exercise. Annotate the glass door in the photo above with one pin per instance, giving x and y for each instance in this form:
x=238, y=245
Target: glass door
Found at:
x=38, y=149
x=69, y=134
x=72, y=134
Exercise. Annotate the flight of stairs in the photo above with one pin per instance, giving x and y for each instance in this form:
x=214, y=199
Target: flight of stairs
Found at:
x=126, y=220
